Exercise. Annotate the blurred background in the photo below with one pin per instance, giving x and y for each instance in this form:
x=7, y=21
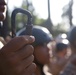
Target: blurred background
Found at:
x=57, y=15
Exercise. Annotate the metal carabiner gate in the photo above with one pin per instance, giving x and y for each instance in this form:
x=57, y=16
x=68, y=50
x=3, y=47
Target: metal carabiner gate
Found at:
x=29, y=21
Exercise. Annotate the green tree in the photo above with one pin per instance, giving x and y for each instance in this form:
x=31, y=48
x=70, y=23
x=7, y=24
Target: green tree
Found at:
x=67, y=12
x=27, y=4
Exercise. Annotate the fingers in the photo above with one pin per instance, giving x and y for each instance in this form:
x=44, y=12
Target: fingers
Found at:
x=23, y=53
x=20, y=55
x=17, y=64
x=17, y=43
x=24, y=64
x=25, y=67
x=29, y=70
x=16, y=56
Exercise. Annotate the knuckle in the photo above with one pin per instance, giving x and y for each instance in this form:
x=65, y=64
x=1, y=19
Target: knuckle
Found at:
x=29, y=60
x=31, y=68
x=22, y=38
x=30, y=47
x=32, y=57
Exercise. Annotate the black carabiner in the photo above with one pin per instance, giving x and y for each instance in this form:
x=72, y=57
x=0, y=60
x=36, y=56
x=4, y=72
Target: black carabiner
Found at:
x=29, y=21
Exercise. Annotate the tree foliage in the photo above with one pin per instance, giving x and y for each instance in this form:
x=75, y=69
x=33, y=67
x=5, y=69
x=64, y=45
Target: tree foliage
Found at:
x=67, y=12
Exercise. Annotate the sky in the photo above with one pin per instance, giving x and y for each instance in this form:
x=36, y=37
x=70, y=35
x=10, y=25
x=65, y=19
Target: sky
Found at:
x=42, y=10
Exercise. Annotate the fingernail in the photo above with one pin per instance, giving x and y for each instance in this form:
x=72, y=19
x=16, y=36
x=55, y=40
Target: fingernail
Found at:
x=33, y=38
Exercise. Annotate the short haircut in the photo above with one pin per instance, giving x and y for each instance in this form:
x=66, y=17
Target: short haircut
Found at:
x=60, y=47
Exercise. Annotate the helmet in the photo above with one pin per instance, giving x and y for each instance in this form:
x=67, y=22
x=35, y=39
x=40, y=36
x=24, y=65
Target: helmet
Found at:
x=72, y=36
x=41, y=34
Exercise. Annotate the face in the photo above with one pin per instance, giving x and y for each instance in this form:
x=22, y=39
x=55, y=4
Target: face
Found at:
x=63, y=53
x=3, y=4
x=42, y=54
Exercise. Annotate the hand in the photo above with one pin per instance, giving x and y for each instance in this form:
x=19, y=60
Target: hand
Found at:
x=16, y=57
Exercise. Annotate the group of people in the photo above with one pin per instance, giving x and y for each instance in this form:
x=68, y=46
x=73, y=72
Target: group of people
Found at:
x=28, y=54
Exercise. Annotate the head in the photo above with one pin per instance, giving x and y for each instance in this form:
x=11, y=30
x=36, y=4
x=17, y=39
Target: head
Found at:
x=72, y=37
x=3, y=4
x=61, y=49
x=41, y=44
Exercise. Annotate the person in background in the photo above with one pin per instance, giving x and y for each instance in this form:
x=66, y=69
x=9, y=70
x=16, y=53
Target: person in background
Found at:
x=70, y=67
x=61, y=50
x=43, y=38
x=16, y=56
x=59, y=58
